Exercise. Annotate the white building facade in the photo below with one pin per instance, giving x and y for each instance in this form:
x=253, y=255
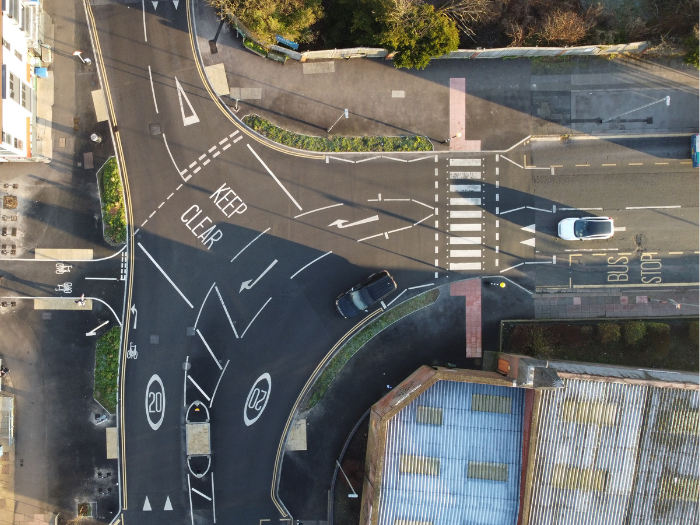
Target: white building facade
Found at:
x=21, y=52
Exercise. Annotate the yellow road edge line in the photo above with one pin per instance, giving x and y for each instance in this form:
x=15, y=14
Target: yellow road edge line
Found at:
x=127, y=197
x=214, y=97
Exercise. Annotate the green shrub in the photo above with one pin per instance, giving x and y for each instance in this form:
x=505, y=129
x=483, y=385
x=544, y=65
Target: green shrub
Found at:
x=111, y=195
x=659, y=335
x=107, y=370
x=634, y=332
x=608, y=333
x=345, y=144
x=534, y=340
x=694, y=332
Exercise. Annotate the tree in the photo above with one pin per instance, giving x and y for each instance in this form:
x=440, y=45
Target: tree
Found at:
x=416, y=32
x=468, y=13
x=291, y=19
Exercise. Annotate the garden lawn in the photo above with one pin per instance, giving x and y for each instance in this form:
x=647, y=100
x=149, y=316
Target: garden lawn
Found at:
x=107, y=370
x=650, y=343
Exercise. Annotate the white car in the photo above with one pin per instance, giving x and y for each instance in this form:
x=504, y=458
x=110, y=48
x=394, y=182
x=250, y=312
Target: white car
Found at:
x=586, y=228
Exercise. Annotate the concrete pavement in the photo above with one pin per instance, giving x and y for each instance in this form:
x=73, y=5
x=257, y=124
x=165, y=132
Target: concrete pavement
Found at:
x=506, y=100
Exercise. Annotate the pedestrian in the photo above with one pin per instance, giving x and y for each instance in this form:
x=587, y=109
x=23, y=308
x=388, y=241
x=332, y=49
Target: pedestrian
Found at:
x=81, y=301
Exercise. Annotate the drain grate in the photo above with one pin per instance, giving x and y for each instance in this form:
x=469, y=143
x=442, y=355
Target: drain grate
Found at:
x=155, y=129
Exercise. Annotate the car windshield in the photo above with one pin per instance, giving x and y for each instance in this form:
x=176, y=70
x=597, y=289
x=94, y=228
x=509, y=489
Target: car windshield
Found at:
x=589, y=228
x=359, y=299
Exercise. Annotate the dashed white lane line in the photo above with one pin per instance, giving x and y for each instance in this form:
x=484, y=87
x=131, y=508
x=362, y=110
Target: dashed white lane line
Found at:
x=650, y=207
x=227, y=146
x=222, y=141
x=161, y=205
x=152, y=214
x=216, y=154
x=211, y=149
x=233, y=134
x=193, y=164
x=202, y=156
x=205, y=163
x=239, y=138
x=197, y=170
x=173, y=193
x=318, y=209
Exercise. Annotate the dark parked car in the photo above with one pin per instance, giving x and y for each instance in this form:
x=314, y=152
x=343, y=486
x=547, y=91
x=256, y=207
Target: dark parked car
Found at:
x=359, y=298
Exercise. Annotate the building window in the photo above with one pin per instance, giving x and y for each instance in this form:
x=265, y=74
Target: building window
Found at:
x=7, y=138
x=18, y=55
x=6, y=44
x=12, y=86
x=25, y=97
x=15, y=88
x=19, y=145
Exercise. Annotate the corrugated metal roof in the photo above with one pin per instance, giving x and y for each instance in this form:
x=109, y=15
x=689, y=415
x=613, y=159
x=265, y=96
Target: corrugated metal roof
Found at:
x=465, y=436
x=606, y=453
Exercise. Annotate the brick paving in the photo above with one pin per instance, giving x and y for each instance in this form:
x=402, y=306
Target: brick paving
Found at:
x=621, y=304
x=458, y=117
x=471, y=290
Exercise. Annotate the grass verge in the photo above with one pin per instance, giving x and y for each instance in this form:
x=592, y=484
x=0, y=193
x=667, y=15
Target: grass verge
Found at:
x=349, y=349
x=335, y=144
x=254, y=46
x=111, y=197
x=107, y=370
x=659, y=343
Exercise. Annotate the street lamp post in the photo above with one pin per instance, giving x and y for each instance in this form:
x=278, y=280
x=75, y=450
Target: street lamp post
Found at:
x=453, y=137
x=80, y=56
x=345, y=113
x=354, y=494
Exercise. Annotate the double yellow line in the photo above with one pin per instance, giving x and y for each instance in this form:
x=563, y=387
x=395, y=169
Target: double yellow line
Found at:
x=92, y=26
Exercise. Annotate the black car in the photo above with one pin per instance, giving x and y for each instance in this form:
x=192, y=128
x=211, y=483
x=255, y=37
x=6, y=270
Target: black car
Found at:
x=359, y=298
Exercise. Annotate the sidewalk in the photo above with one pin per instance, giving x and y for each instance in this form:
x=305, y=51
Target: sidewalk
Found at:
x=622, y=304
x=505, y=100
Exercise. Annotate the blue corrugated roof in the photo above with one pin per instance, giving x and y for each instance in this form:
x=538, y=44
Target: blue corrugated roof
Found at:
x=465, y=435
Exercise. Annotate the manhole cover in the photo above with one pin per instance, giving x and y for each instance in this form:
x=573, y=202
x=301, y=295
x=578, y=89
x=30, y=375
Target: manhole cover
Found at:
x=46, y=316
x=9, y=202
x=190, y=330
x=155, y=339
x=155, y=129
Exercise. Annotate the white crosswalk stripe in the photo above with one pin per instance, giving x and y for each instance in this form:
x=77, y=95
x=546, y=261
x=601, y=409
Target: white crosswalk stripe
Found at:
x=473, y=227
x=464, y=201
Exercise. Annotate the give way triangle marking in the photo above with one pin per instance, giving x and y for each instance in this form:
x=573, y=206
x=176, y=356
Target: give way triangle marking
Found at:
x=529, y=242
x=168, y=505
x=192, y=119
x=530, y=228
x=146, y=504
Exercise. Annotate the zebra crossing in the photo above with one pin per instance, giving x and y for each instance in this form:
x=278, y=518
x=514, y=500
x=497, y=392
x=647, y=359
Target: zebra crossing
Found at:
x=466, y=228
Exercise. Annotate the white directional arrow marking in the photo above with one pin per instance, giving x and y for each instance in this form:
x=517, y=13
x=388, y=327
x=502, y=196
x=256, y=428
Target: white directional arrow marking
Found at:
x=529, y=242
x=94, y=330
x=176, y=3
x=135, y=313
x=247, y=285
x=530, y=228
x=168, y=505
x=340, y=223
x=192, y=119
x=146, y=504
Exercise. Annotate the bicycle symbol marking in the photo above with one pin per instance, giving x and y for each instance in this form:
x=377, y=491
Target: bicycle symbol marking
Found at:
x=257, y=399
x=63, y=268
x=65, y=287
x=131, y=353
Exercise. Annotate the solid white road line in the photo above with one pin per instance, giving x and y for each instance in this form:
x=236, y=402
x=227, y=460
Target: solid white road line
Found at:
x=422, y=204
x=173, y=160
x=201, y=494
x=150, y=77
x=422, y=285
x=101, y=279
x=305, y=267
x=273, y=176
x=143, y=10
x=189, y=493
x=165, y=275
x=198, y=387
x=184, y=384
x=217, y=383
x=254, y=318
x=226, y=311
x=395, y=298
x=203, y=303
x=338, y=158
x=422, y=158
x=650, y=207
x=370, y=237
x=209, y=348
x=251, y=242
x=428, y=217
x=318, y=209
x=213, y=500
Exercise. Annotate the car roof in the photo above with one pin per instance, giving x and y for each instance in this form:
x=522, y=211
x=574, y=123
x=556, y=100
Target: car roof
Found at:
x=599, y=227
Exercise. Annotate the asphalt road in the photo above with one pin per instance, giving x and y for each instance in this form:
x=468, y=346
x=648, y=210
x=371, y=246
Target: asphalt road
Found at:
x=239, y=255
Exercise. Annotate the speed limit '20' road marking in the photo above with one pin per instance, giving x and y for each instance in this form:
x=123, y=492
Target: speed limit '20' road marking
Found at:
x=155, y=401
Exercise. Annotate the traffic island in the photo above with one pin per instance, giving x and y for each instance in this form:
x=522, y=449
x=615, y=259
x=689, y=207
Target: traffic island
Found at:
x=349, y=349
x=112, y=200
x=335, y=144
x=106, y=386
